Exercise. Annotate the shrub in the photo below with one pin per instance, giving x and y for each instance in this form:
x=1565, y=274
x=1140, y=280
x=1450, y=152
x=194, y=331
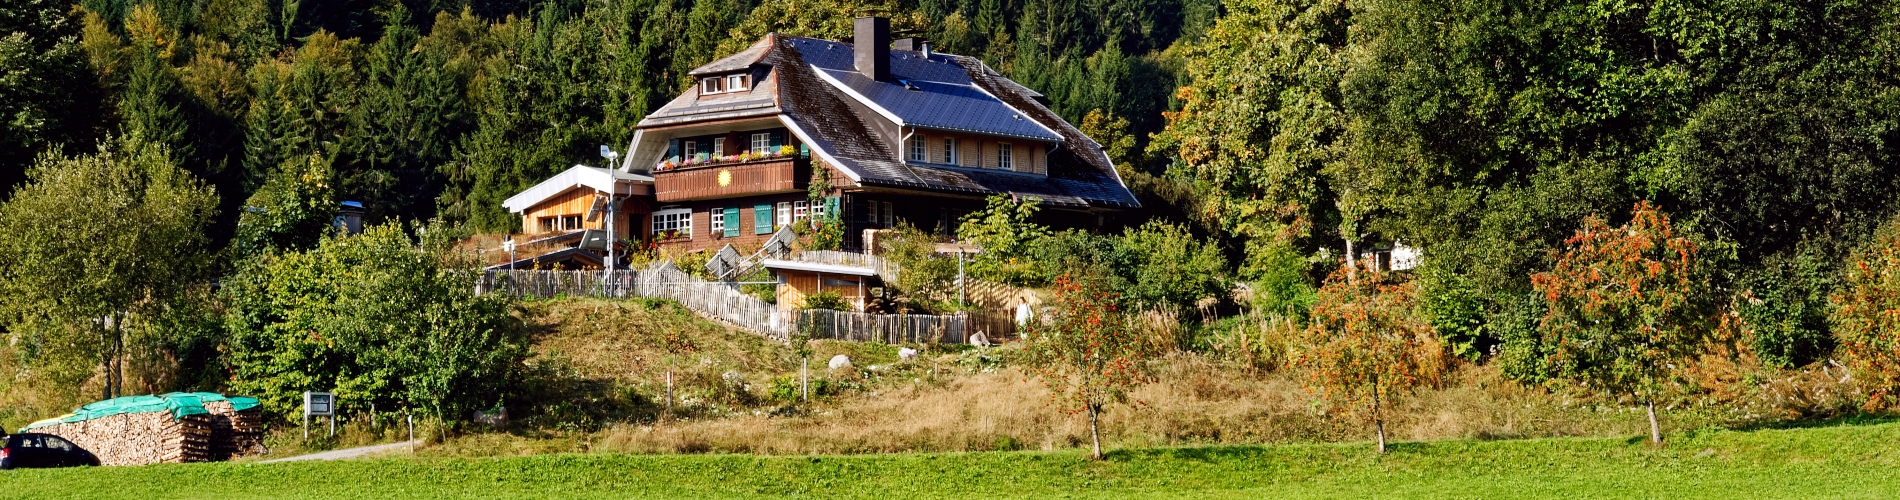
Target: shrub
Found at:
x=374, y=318
x=1784, y=306
x=1864, y=316
x=828, y=299
x=1168, y=266
x=1007, y=231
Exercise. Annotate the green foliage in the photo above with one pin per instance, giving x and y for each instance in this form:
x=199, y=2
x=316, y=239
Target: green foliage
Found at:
x=1007, y=231
x=292, y=211
x=1365, y=342
x=1456, y=311
x=95, y=244
x=1784, y=307
x=1864, y=318
x=922, y=272
x=374, y=318
x=827, y=232
x=1522, y=353
x=47, y=96
x=829, y=299
x=1165, y=265
x=1279, y=279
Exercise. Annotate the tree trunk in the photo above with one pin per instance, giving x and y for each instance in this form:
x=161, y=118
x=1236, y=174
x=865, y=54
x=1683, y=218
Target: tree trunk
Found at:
x=1378, y=421
x=1094, y=432
x=669, y=394
x=1655, y=432
x=1352, y=262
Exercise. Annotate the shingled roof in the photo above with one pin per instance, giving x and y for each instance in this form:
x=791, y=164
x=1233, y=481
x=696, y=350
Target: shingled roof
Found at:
x=813, y=82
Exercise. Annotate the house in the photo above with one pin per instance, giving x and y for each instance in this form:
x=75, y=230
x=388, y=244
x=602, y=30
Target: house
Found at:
x=906, y=135
x=560, y=211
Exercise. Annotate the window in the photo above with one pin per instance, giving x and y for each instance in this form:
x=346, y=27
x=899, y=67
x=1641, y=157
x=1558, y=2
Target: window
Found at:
x=570, y=222
x=890, y=216
x=872, y=207
x=784, y=214
x=761, y=142
x=719, y=146
x=735, y=82
x=712, y=85
x=718, y=224
x=1003, y=159
x=691, y=148
x=950, y=150
x=679, y=220
x=800, y=211
x=550, y=224
x=917, y=153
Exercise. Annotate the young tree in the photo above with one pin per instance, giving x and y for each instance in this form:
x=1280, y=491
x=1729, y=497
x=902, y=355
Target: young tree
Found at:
x=1086, y=351
x=94, y=242
x=1365, y=342
x=1626, y=306
x=1863, y=318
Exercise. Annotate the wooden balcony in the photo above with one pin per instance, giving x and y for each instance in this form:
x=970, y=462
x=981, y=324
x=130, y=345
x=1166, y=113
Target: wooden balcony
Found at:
x=725, y=180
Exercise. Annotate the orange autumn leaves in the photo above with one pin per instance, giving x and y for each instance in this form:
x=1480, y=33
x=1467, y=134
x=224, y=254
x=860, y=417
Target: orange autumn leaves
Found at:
x=1365, y=341
x=1866, y=317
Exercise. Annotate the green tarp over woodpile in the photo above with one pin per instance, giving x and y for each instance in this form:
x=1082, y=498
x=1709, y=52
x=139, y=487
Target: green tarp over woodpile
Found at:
x=179, y=404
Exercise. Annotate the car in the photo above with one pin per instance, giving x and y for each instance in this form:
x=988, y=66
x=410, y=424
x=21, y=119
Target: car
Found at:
x=31, y=450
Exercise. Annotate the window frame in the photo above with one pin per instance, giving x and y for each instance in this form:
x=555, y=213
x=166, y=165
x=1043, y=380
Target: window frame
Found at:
x=1005, y=156
x=735, y=83
x=681, y=219
x=719, y=146
x=950, y=153
x=783, y=213
x=761, y=142
x=690, y=148
x=919, y=150
x=871, y=216
x=890, y=215
x=800, y=211
x=716, y=221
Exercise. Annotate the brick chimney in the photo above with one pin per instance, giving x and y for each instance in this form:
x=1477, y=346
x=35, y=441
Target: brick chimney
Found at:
x=871, y=42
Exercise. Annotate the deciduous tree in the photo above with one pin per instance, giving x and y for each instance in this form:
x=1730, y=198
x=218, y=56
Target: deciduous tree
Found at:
x=1627, y=306
x=1086, y=350
x=1365, y=343
x=1866, y=316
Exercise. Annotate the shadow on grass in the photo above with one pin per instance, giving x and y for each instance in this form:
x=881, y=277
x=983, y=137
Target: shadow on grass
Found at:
x=1858, y=419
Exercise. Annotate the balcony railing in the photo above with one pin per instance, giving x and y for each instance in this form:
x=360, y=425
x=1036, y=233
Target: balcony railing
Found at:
x=706, y=160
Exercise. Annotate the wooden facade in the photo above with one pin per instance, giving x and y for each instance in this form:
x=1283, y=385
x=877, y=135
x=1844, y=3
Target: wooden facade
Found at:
x=794, y=286
x=568, y=211
x=979, y=151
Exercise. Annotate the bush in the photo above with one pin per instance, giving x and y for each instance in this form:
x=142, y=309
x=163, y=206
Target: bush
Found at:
x=1864, y=320
x=1455, y=310
x=828, y=299
x=1784, y=306
x=1280, y=280
x=1165, y=265
x=377, y=320
x=924, y=273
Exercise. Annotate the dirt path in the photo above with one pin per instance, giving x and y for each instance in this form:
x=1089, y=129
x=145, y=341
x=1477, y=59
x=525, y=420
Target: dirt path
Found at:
x=349, y=453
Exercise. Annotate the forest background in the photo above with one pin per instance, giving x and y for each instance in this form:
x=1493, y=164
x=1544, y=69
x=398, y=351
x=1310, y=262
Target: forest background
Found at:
x=1284, y=134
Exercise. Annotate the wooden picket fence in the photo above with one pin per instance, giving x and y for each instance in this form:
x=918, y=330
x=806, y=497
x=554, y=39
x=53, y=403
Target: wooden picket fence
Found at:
x=724, y=302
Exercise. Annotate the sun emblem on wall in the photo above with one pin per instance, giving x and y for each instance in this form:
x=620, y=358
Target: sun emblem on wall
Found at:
x=725, y=178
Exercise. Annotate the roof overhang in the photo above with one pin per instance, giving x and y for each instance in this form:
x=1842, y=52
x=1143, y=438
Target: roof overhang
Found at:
x=793, y=265
x=600, y=179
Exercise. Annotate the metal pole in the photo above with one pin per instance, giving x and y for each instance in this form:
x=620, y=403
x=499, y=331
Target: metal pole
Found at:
x=412, y=432
x=959, y=276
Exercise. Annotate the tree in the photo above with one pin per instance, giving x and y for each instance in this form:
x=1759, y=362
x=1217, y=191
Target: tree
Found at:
x=1006, y=231
x=1167, y=266
x=1086, y=351
x=93, y=243
x=1864, y=321
x=293, y=210
x=1365, y=342
x=47, y=95
x=1626, y=306
x=378, y=317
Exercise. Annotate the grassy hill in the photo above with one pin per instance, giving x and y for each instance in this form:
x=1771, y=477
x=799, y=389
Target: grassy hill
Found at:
x=1849, y=460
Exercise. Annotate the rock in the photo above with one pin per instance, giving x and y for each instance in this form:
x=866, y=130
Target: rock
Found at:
x=906, y=354
x=980, y=339
x=840, y=361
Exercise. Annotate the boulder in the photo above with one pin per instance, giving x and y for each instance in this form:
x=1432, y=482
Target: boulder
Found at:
x=840, y=362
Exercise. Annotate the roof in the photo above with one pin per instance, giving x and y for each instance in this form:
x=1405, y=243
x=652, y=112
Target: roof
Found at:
x=742, y=60
x=934, y=92
x=812, y=90
x=600, y=179
x=794, y=265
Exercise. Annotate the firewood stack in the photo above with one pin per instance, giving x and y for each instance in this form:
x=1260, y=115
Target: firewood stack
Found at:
x=235, y=433
x=140, y=438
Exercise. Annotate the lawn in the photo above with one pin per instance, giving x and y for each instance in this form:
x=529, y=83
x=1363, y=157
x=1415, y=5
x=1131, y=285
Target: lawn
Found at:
x=1835, y=461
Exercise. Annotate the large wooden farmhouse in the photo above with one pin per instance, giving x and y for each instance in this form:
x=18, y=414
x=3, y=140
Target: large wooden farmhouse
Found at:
x=906, y=134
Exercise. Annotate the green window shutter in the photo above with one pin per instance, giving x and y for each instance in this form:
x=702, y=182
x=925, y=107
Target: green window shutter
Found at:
x=762, y=219
x=732, y=222
x=831, y=208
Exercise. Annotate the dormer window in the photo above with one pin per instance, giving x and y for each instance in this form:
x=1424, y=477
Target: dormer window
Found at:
x=723, y=84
